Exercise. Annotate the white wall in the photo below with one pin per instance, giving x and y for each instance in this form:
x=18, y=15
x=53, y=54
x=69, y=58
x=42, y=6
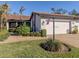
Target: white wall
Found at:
x=43, y=23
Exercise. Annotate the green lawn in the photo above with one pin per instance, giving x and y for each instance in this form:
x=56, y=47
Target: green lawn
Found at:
x=32, y=49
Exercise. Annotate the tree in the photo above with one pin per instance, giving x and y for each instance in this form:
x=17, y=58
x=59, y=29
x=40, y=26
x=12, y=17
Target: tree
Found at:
x=4, y=8
x=21, y=10
x=58, y=11
x=73, y=12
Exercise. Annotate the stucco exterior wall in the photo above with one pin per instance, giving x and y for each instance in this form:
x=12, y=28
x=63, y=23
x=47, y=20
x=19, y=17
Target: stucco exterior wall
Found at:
x=61, y=26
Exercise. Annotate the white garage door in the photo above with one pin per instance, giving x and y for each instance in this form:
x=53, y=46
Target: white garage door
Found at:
x=60, y=28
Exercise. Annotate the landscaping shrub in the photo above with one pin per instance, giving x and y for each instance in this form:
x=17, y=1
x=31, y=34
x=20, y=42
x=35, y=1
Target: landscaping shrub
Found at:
x=75, y=30
x=43, y=32
x=51, y=45
x=3, y=35
x=18, y=30
x=35, y=34
x=23, y=30
x=31, y=33
x=40, y=33
x=28, y=34
x=11, y=29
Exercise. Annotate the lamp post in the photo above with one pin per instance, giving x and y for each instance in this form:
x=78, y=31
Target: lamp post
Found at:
x=53, y=29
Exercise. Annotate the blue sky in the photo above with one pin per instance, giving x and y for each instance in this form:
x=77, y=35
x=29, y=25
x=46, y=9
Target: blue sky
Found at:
x=41, y=6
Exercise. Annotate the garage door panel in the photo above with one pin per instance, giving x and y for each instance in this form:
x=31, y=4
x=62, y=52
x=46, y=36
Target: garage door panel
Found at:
x=60, y=28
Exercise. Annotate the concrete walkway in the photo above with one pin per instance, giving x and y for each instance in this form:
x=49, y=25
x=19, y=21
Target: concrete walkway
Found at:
x=11, y=39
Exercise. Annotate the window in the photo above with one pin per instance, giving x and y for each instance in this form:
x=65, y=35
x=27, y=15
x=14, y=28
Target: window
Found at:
x=20, y=23
x=12, y=24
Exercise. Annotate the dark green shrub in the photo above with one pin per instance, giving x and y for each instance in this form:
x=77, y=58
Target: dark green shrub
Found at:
x=18, y=30
x=43, y=32
x=31, y=33
x=11, y=29
x=28, y=34
x=35, y=34
x=38, y=33
x=23, y=30
x=51, y=45
x=3, y=35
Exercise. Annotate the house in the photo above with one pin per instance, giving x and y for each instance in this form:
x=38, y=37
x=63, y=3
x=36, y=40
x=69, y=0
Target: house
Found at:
x=14, y=21
x=62, y=24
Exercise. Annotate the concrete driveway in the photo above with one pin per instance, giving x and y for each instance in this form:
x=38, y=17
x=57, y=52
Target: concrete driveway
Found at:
x=71, y=39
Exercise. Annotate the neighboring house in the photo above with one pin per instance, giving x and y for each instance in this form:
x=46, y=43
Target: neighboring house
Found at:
x=63, y=24
x=14, y=21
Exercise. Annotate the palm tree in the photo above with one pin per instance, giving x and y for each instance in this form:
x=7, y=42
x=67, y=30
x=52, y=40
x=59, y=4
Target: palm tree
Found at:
x=4, y=8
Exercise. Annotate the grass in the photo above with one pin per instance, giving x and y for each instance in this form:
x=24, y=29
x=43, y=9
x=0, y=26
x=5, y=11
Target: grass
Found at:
x=32, y=49
x=3, y=34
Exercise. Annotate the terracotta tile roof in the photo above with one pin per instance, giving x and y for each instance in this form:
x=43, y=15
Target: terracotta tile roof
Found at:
x=57, y=15
x=17, y=17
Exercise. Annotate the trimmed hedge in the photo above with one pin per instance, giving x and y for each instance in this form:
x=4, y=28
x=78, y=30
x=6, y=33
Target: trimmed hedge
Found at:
x=3, y=35
x=35, y=34
x=43, y=33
